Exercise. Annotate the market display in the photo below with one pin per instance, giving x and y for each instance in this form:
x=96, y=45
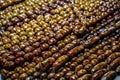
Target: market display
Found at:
x=59, y=39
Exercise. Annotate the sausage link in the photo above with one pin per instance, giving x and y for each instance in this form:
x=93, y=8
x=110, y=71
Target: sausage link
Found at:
x=81, y=72
x=111, y=58
x=110, y=75
x=59, y=62
x=47, y=62
x=98, y=66
x=115, y=63
x=97, y=75
x=85, y=77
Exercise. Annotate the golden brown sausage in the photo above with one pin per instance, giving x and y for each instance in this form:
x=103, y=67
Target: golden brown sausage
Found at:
x=59, y=61
x=47, y=62
x=81, y=72
x=77, y=68
x=80, y=59
x=85, y=77
x=62, y=78
x=117, y=54
x=98, y=66
x=109, y=75
x=97, y=75
x=75, y=50
x=111, y=58
x=69, y=74
x=115, y=63
x=73, y=77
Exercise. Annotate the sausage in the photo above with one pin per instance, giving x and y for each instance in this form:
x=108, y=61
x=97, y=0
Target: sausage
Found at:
x=97, y=75
x=88, y=67
x=46, y=54
x=118, y=69
x=101, y=57
x=73, y=77
x=110, y=75
x=69, y=74
x=77, y=68
x=80, y=59
x=108, y=52
x=51, y=75
x=115, y=63
x=85, y=62
x=81, y=72
x=85, y=77
x=47, y=62
x=117, y=54
x=111, y=58
x=94, y=62
x=73, y=65
x=62, y=78
x=59, y=62
x=92, y=56
x=98, y=66
x=75, y=50
x=58, y=75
